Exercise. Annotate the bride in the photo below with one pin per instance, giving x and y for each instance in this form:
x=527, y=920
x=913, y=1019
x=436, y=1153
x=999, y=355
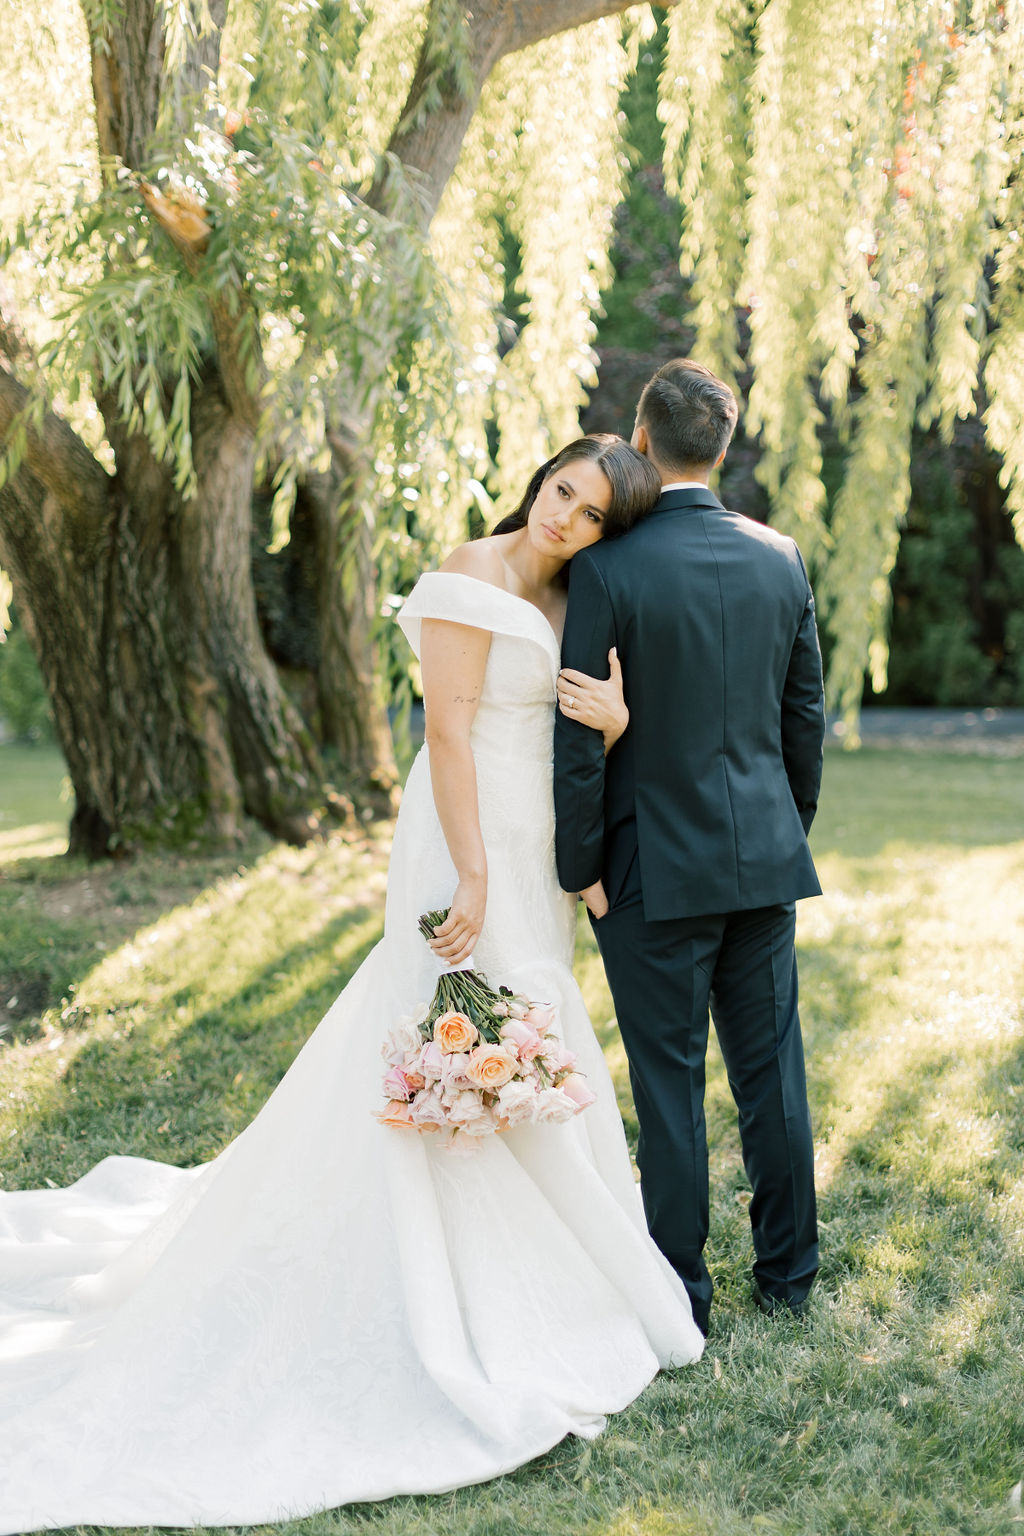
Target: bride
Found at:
x=334, y=1309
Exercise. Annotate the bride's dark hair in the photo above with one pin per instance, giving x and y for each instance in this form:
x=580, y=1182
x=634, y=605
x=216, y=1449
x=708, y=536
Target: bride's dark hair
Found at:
x=635, y=483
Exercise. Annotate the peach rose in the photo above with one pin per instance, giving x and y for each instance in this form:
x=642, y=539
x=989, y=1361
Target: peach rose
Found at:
x=396, y=1113
x=490, y=1066
x=454, y=1032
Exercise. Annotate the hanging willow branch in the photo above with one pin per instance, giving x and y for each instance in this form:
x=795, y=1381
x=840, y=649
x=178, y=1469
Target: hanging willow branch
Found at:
x=850, y=173
x=882, y=159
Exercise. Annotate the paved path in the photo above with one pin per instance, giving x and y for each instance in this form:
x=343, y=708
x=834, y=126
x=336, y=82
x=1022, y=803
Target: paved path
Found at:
x=987, y=732
x=992, y=732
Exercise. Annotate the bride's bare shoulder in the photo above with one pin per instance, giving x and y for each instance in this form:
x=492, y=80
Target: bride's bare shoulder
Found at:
x=481, y=558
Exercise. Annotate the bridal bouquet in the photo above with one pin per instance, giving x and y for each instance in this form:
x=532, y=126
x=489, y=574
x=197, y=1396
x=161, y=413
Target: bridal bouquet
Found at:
x=480, y=1061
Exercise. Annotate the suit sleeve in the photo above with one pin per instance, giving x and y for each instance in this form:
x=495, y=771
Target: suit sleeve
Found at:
x=803, y=713
x=579, y=751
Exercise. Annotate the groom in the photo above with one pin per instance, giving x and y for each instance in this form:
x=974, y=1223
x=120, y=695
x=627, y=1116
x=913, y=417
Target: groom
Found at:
x=689, y=841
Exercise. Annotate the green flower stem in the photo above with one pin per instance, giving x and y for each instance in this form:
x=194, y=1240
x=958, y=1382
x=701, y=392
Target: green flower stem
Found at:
x=466, y=992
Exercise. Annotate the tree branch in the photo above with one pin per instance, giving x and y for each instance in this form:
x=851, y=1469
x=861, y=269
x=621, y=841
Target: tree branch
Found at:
x=56, y=455
x=182, y=217
x=14, y=344
x=428, y=138
x=533, y=22
x=128, y=80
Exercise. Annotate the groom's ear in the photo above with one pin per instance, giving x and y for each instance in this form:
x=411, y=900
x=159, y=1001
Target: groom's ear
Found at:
x=640, y=441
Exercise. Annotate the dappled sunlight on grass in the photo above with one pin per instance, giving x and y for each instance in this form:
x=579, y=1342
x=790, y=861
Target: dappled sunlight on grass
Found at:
x=43, y=840
x=930, y=1004
x=35, y=802
x=174, y=1039
x=898, y=1406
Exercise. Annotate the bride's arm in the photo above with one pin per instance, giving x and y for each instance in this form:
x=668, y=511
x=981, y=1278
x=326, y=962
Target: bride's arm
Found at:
x=452, y=659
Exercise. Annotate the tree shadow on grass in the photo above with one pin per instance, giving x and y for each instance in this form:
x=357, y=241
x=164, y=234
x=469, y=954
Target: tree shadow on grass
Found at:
x=60, y=917
x=176, y=1083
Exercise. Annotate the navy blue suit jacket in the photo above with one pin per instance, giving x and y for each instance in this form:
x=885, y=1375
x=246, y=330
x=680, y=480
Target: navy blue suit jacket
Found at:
x=714, y=784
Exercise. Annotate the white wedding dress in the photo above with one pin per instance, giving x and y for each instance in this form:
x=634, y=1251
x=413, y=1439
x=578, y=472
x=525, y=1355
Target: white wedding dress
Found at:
x=334, y=1310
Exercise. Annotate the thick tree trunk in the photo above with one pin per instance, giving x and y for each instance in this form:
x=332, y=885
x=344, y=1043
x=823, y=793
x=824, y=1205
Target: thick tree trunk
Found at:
x=247, y=716
x=140, y=606
x=352, y=716
x=140, y=609
x=110, y=642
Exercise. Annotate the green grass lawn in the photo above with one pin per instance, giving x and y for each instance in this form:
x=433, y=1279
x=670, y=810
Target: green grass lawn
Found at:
x=176, y=993
x=33, y=810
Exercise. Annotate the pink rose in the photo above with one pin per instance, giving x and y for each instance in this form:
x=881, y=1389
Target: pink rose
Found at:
x=453, y=1070
x=557, y=1058
x=553, y=1107
x=525, y=1039
x=405, y=1037
x=431, y=1062
x=541, y=1017
x=516, y=1102
x=490, y=1066
x=466, y=1107
x=485, y=1124
x=397, y=1084
x=576, y=1087
x=428, y=1111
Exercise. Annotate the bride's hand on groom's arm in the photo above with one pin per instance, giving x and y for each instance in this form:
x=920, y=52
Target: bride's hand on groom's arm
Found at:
x=591, y=701
x=454, y=940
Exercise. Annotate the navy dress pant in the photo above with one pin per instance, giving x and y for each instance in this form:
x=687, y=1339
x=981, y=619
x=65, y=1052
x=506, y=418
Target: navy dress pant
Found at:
x=664, y=978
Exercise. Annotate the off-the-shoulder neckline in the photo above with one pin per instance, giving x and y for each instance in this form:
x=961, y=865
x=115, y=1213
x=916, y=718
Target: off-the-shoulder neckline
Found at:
x=482, y=581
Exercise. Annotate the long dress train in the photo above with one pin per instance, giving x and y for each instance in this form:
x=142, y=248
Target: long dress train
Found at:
x=334, y=1310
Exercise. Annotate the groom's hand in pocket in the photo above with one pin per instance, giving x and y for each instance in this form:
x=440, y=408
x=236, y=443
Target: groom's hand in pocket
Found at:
x=595, y=899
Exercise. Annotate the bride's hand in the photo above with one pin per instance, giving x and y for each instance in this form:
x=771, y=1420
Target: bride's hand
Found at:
x=600, y=705
x=454, y=940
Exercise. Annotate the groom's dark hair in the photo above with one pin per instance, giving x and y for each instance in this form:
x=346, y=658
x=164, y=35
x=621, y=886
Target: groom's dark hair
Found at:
x=689, y=415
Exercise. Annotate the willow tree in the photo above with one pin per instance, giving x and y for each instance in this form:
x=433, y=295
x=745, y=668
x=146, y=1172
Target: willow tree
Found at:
x=223, y=292
x=852, y=174
x=264, y=264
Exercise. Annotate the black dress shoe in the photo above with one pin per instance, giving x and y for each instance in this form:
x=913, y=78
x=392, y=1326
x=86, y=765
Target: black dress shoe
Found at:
x=773, y=1306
